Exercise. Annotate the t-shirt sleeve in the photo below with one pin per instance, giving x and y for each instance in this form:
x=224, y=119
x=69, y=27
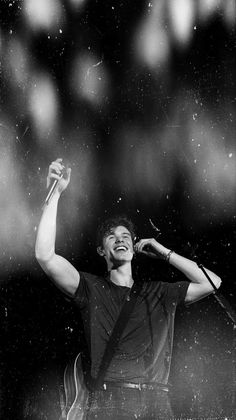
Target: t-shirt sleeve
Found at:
x=176, y=292
x=83, y=290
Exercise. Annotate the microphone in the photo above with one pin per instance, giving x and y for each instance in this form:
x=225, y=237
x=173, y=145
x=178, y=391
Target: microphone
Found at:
x=52, y=189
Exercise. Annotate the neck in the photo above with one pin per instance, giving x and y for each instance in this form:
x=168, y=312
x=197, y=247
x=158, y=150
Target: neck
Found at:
x=122, y=275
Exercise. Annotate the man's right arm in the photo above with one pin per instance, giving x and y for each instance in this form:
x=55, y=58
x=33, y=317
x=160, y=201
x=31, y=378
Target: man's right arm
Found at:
x=61, y=271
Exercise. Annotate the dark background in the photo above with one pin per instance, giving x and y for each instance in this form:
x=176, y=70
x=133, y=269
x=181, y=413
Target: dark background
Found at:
x=139, y=99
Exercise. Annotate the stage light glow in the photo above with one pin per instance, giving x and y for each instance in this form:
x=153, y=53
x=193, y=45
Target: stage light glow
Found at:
x=208, y=7
x=215, y=169
x=1, y=41
x=43, y=14
x=144, y=167
x=151, y=38
x=82, y=192
x=17, y=62
x=150, y=161
x=181, y=15
x=14, y=209
x=77, y=3
x=230, y=12
x=152, y=44
x=43, y=106
x=90, y=79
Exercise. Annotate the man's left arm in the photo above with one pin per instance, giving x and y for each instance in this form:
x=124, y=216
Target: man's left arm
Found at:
x=199, y=286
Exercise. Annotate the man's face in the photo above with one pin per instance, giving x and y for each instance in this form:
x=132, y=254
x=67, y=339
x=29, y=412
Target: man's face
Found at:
x=118, y=246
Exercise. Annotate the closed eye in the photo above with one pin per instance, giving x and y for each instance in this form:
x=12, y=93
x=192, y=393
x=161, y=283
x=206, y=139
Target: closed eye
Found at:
x=110, y=236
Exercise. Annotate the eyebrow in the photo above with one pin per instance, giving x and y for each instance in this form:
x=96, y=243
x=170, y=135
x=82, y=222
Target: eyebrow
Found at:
x=112, y=231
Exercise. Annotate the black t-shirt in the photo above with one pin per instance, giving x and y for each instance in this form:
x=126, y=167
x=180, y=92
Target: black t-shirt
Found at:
x=145, y=347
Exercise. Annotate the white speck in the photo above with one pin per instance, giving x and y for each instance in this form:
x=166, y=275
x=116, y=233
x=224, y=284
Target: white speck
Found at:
x=195, y=28
x=60, y=30
x=93, y=66
x=230, y=155
x=195, y=160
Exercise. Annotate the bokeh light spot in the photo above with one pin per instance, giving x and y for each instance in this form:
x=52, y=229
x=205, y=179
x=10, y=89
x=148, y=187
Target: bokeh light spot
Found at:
x=151, y=38
x=182, y=15
x=43, y=105
x=90, y=79
x=43, y=14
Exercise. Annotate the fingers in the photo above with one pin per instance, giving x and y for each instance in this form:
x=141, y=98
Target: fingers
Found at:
x=141, y=244
x=52, y=176
x=68, y=174
x=56, y=167
x=57, y=171
x=147, y=247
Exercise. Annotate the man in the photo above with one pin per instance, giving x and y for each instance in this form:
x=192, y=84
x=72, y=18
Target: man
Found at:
x=136, y=380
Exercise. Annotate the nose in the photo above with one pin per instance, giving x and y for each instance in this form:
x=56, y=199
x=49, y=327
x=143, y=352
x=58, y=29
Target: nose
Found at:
x=119, y=238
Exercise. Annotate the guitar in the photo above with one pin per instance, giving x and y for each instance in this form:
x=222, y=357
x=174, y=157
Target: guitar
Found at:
x=76, y=392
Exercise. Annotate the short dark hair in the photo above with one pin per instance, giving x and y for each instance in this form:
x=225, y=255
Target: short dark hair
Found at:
x=112, y=222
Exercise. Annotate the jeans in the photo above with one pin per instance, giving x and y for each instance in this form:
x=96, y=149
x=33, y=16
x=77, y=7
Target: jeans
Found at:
x=128, y=404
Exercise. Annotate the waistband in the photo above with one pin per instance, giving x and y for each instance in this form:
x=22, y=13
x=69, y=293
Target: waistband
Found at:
x=152, y=386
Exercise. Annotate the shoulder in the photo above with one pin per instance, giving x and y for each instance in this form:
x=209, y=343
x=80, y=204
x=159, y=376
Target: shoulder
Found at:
x=88, y=284
x=92, y=279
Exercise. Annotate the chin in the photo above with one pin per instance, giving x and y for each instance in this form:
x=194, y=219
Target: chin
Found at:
x=123, y=260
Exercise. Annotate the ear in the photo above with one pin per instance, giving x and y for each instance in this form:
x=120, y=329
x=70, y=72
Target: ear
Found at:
x=100, y=251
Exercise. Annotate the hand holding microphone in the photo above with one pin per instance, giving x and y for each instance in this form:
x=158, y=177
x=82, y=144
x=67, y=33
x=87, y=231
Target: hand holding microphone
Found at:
x=151, y=248
x=60, y=176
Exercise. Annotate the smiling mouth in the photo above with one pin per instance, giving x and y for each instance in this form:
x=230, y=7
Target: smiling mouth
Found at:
x=121, y=248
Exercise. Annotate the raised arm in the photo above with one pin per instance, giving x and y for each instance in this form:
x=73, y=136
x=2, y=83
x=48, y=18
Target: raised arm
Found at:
x=199, y=286
x=61, y=271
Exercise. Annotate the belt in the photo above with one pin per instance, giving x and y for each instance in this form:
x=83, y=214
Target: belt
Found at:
x=153, y=386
